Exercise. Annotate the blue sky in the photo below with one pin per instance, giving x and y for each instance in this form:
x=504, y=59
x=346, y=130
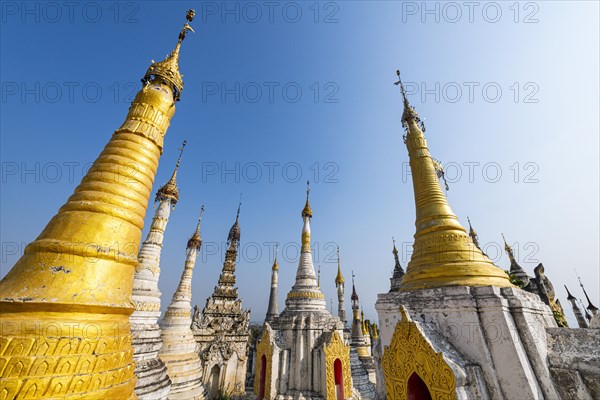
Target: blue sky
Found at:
x=278, y=93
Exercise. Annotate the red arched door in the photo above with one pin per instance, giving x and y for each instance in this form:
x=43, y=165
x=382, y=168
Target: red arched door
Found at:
x=339, y=379
x=263, y=377
x=417, y=389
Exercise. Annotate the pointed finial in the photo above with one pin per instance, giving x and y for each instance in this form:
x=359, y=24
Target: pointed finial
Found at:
x=239, y=208
x=590, y=306
x=307, y=211
x=506, y=246
x=319, y=276
x=275, y=263
x=409, y=111
x=402, y=89
x=474, y=236
x=168, y=69
x=339, y=279
x=354, y=296
x=569, y=295
x=195, y=240
x=170, y=189
x=233, y=239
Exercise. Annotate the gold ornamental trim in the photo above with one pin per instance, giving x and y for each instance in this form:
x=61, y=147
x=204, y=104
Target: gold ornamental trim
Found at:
x=336, y=349
x=264, y=347
x=409, y=352
x=305, y=295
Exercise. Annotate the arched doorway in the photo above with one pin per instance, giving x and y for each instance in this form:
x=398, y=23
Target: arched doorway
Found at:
x=213, y=382
x=339, y=379
x=263, y=376
x=417, y=389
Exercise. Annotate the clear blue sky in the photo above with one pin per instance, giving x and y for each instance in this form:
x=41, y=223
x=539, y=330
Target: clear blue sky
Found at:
x=68, y=75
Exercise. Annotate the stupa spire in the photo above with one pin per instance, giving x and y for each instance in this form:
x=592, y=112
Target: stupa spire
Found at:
x=436, y=260
x=179, y=346
x=339, y=278
x=273, y=308
x=581, y=321
x=319, y=276
x=396, y=279
x=473, y=235
x=306, y=294
x=149, y=368
x=170, y=190
x=515, y=269
x=80, y=269
x=590, y=307
x=341, y=288
x=233, y=239
x=225, y=288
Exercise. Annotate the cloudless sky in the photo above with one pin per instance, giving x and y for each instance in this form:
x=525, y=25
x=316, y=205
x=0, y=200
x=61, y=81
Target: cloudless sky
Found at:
x=277, y=93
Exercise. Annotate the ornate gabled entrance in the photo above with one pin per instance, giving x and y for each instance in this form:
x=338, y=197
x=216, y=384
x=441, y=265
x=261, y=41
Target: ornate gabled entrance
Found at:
x=413, y=369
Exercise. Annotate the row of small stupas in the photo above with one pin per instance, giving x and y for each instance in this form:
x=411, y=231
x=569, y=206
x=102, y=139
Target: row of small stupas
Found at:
x=80, y=316
x=185, y=355
x=307, y=352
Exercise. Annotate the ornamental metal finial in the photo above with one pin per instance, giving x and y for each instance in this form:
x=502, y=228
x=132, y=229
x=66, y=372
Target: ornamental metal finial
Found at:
x=506, y=246
x=196, y=241
x=319, y=276
x=180, y=154
x=409, y=111
x=275, y=263
x=239, y=207
x=168, y=69
x=354, y=296
x=170, y=189
x=402, y=89
x=307, y=211
x=593, y=309
x=339, y=278
x=235, y=232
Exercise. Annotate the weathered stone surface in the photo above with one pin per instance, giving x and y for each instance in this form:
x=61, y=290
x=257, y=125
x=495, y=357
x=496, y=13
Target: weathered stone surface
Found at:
x=180, y=350
x=574, y=361
x=152, y=380
x=502, y=331
x=365, y=390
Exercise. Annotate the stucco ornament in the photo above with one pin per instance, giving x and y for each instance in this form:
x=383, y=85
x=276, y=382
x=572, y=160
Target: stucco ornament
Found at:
x=410, y=352
x=336, y=349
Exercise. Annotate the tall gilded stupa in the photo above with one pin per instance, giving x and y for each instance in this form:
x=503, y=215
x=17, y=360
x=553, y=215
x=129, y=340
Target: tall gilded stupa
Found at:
x=456, y=328
x=66, y=303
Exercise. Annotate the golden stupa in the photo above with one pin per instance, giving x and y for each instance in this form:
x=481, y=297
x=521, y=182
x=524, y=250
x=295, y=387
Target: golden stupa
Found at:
x=65, y=305
x=443, y=252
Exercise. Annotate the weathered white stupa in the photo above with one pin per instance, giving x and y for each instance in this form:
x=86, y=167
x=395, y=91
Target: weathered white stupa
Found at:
x=273, y=307
x=361, y=360
x=152, y=380
x=302, y=354
x=180, y=350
